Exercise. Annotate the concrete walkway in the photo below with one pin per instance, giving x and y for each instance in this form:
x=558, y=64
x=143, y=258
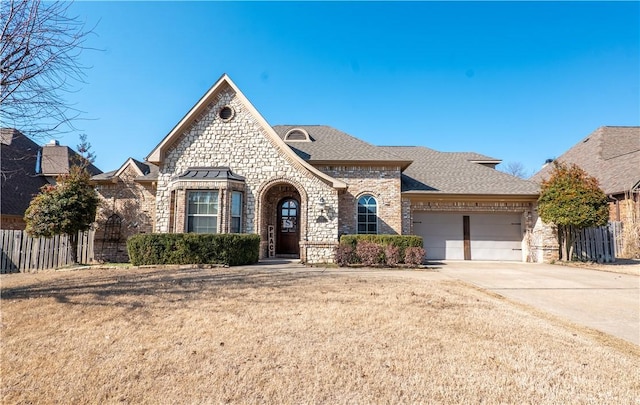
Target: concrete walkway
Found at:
x=608, y=302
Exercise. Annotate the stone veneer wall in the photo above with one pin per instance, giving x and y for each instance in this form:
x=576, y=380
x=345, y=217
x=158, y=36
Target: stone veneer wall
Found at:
x=381, y=182
x=243, y=145
x=134, y=202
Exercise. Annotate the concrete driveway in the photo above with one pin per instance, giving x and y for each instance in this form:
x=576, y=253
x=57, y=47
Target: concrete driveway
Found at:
x=608, y=302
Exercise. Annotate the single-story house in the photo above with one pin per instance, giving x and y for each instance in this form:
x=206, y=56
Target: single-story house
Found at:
x=224, y=168
x=26, y=167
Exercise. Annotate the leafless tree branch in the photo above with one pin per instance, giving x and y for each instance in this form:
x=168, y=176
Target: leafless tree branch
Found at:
x=40, y=46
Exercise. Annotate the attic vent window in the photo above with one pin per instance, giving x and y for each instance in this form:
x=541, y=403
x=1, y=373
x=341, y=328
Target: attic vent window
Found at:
x=297, y=135
x=226, y=113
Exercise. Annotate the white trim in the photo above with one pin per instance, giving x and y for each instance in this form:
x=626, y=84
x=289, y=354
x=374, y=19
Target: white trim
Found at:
x=124, y=166
x=292, y=130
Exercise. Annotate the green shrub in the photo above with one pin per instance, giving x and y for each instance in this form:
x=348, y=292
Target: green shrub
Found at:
x=231, y=249
x=402, y=242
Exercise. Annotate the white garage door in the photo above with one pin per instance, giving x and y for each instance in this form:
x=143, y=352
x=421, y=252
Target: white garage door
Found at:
x=490, y=236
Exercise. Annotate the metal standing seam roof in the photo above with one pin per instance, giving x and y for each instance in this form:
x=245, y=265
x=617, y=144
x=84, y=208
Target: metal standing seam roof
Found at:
x=611, y=154
x=209, y=173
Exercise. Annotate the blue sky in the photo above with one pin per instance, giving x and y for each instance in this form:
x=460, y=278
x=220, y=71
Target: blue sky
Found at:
x=519, y=81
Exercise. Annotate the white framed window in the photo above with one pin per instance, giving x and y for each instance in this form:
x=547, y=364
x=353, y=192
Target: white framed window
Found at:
x=236, y=212
x=202, y=211
x=367, y=215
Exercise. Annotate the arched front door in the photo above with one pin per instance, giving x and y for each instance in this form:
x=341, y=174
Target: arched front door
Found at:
x=288, y=237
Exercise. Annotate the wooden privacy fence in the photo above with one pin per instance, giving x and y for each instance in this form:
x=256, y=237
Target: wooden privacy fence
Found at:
x=598, y=244
x=23, y=253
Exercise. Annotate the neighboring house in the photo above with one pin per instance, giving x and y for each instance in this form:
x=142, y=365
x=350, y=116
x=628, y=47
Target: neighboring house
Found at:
x=612, y=155
x=223, y=168
x=26, y=167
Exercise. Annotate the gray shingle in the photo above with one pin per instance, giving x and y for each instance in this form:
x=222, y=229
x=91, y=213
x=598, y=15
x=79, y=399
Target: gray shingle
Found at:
x=610, y=154
x=454, y=173
x=330, y=145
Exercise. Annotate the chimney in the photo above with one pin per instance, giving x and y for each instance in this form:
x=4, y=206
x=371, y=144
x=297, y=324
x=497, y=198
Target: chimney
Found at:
x=54, y=142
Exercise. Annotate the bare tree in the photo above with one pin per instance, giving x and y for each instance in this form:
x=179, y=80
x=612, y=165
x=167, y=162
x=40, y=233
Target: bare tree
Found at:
x=40, y=46
x=515, y=169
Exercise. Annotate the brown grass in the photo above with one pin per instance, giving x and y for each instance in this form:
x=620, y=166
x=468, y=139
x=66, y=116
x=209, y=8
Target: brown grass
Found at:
x=260, y=336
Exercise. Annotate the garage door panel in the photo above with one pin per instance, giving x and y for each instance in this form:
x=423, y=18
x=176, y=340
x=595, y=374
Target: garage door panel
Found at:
x=493, y=236
x=441, y=235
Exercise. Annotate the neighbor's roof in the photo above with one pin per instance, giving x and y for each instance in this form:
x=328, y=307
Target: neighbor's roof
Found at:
x=610, y=154
x=57, y=159
x=329, y=145
x=20, y=182
x=434, y=172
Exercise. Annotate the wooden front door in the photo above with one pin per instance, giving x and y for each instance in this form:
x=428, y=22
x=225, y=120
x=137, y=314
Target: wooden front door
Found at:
x=288, y=236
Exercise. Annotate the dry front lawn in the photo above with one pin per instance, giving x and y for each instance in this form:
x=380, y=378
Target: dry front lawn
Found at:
x=264, y=336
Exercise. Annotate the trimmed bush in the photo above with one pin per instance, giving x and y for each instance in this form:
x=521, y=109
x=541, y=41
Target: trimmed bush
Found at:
x=374, y=250
x=370, y=253
x=414, y=256
x=402, y=242
x=231, y=249
x=345, y=255
x=391, y=255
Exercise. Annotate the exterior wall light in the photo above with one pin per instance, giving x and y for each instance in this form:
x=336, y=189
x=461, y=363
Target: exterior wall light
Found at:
x=321, y=205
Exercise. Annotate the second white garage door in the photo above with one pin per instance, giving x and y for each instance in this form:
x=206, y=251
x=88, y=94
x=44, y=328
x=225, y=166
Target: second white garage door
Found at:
x=490, y=236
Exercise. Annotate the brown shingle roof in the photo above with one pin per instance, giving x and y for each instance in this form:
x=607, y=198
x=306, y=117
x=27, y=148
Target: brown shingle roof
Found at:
x=19, y=179
x=455, y=173
x=56, y=160
x=610, y=154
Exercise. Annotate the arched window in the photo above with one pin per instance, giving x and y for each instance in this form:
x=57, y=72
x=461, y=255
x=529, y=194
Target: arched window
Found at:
x=367, y=214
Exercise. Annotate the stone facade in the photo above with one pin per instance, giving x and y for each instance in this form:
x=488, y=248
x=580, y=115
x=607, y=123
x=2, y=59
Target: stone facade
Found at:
x=224, y=133
x=241, y=144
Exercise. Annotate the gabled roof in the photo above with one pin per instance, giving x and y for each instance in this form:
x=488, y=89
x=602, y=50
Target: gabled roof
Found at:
x=329, y=145
x=19, y=179
x=204, y=104
x=434, y=172
x=146, y=171
x=610, y=154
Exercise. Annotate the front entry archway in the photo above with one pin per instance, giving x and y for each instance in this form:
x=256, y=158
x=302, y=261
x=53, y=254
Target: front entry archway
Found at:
x=282, y=221
x=288, y=232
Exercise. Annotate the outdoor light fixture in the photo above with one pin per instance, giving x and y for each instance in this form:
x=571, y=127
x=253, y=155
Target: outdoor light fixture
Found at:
x=321, y=205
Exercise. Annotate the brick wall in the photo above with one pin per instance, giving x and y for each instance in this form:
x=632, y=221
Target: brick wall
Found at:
x=134, y=202
x=381, y=182
x=12, y=222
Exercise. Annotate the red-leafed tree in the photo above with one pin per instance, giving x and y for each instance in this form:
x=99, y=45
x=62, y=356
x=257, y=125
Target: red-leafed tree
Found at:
x=571, y=199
